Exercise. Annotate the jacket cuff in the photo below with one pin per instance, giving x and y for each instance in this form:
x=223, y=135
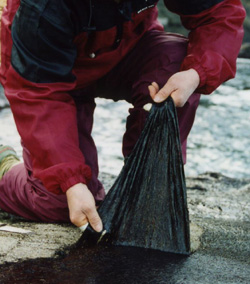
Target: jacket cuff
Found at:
x=58, y=179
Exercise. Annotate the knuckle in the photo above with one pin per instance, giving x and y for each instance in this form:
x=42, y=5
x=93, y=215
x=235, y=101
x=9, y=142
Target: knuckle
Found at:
x=73, y=219
x=88, y=209
x=162, y=93
x=95, y=219
x=172, y=81
x=78, y=220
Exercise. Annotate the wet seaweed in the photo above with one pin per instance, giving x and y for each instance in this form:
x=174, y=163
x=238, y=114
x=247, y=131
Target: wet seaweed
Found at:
x=147, y=205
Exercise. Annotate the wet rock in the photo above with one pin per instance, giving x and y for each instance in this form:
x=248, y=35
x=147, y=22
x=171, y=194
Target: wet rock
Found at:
x=223, y=258
x=245, y=50
x=3, y=101
x=215, y=196
x=220, y=233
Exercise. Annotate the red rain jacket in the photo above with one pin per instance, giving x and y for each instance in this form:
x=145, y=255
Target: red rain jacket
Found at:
x=60, y=45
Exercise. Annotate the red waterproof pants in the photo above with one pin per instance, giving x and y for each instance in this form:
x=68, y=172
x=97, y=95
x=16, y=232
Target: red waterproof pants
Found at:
x=155, y=58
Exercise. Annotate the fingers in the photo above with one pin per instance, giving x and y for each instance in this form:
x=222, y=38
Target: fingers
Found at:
x=160, y=95
x=94, y=219
x=82, y=209
x=180, y=86
x=87, y=215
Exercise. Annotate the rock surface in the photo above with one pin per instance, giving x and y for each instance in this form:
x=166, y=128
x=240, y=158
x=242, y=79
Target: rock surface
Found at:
x=218, y=205
x=44, y=241
x=245, y=50
x=220, y=233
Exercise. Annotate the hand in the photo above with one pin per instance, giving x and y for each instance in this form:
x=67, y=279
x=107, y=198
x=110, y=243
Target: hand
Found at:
x=82, y=208
x=180, y=87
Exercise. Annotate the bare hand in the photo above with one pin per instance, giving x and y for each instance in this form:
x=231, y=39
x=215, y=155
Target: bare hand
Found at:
x=82, y=207
x=180, y=87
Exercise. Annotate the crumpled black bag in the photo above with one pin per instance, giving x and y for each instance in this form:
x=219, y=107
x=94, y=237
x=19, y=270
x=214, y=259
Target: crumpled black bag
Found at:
x=147, y=205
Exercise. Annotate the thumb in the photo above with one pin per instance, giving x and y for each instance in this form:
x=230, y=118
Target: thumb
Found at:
x=94, y=220
x=164, y=93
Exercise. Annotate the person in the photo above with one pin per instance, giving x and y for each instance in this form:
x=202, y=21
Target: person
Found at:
x=58, y=56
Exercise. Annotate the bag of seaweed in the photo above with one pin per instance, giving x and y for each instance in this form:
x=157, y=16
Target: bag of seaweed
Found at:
x=147, y=205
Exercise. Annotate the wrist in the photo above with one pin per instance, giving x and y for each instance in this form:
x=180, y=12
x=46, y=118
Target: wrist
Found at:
x=75, y=187
x=195, y=77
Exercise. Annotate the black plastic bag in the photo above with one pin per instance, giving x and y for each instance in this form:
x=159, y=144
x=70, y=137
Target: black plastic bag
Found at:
x=147, y=205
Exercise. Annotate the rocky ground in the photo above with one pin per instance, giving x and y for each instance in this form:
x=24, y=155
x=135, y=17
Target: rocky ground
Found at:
x=39, y=239
x=219, y=210
x=216, y=203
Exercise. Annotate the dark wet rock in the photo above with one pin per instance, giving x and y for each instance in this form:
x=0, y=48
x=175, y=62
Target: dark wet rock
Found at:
x=211, y=180
x=245, y=50
x=222, y=258
x=3, y=101
x=246, y=5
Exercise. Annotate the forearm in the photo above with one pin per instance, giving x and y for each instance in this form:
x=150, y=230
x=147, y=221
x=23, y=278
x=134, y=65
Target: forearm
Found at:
x=214, y=43
x=216, y=33
x=45, y=116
